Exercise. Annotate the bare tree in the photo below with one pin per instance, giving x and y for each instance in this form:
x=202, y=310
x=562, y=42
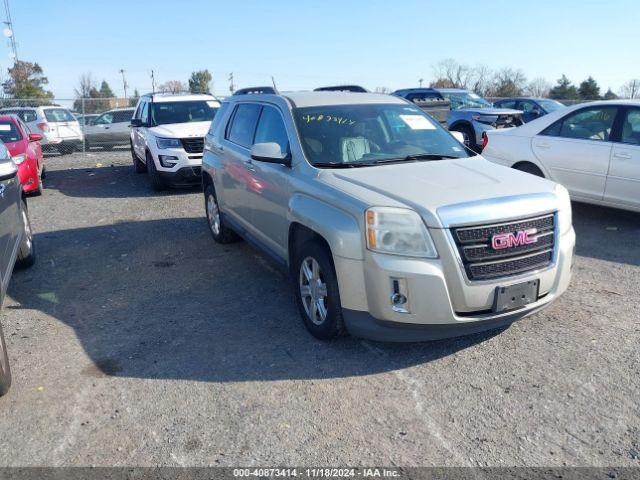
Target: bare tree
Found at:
x=538, y=87
x=458, y=75
x=482, y=82
x=86, y=86
x=172, y=86
x=631, y=89
x=509, y=82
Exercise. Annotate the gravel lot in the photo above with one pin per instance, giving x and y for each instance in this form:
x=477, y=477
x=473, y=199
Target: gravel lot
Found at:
x=136, y=340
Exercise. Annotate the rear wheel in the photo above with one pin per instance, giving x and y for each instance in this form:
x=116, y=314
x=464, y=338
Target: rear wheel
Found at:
x=5, y=370
x=316, y=290
x=26, y=251
x=39, y=189
x=469, y=136
x=157, y=182
x=529, y=168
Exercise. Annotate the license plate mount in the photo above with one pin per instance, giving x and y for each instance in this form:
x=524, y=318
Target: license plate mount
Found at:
x=516, y=296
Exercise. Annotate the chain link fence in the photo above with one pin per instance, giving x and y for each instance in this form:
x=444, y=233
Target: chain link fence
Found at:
x=87, y=125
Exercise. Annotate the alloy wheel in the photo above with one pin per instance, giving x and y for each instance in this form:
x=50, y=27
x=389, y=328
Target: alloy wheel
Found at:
x=313, y=290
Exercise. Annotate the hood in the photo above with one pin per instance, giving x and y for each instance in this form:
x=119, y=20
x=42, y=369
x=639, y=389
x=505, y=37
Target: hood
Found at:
x=492, y=111
x=181, y=130
x=440, y=189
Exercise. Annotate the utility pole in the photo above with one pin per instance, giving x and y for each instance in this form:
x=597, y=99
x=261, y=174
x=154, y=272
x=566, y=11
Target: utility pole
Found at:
x=420, y=81
x=124, y=83
x=9, y=33
x=231, y=85
x=153, y=83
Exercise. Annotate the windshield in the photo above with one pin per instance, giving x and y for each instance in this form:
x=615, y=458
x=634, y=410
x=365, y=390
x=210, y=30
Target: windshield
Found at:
x=465, y=100
x=8, y=132
x=58, y=115
x=550, y=105
x=356, y=135
x=163, y=113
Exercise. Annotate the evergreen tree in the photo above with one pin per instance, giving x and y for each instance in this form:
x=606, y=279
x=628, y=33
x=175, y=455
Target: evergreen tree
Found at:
x=609, y=95
x=199, y=81
x=564, y=90
x=589, y=89
x=105, y=90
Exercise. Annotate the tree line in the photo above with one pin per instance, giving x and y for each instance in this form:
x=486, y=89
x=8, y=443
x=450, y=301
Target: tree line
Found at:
x=26, y=80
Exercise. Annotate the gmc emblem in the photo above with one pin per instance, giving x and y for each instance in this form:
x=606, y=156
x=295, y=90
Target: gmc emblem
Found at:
x=500, y=241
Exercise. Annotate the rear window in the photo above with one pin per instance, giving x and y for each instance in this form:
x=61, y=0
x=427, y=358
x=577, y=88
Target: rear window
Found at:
x=58, y=115
x=9, y=132
x=24, y=115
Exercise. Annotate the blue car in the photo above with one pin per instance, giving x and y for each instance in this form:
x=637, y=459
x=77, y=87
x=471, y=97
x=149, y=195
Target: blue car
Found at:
x=532, y=108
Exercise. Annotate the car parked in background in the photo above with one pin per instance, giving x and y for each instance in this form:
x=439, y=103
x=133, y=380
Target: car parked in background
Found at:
x=16, y=242
x=532, y=108
x=593, y=149
x=464, y=112
x=86, y=119
x=389, y=228
x=167, y=137
x=26, y=151
x=109, y=129
x=60, y=130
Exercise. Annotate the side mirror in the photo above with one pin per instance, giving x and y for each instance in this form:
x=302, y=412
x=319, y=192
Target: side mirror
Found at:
x=8, y=168
x=458, y=136
x=270, y=153
x=35, y=137
x=136, y=122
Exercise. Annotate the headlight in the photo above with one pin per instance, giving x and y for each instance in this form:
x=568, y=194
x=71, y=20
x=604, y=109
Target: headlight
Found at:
x=18, y=159
x=398, y=231
x=168, y=143
x=564, y=209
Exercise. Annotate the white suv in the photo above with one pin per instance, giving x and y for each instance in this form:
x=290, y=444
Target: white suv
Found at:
x=167, y=137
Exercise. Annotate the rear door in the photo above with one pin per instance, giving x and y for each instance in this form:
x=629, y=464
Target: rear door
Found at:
x=66, y=124
x=623, y=180
x=577, y=148
x=236, y=176
x=120, y=127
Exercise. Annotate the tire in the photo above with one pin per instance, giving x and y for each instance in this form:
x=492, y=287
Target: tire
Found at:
x=469, y=136
x=316, y=290
x=38, y=191
x=26, y=251
x=220, y=232
x=157, y=183
x=5, y=370
x=529, y=168
x=138, y=166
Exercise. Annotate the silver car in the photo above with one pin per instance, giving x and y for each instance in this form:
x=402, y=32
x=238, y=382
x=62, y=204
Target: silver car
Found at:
x=388, y=228
x=109, y=129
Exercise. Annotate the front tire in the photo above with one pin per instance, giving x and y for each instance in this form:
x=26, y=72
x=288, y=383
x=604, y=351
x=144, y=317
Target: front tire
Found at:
x=138, y=166
x=529, y=168
x=26, y=251
x=316, y=290
x=217, y=226
x=5, y=370
x=157, y=182
x=469, y=136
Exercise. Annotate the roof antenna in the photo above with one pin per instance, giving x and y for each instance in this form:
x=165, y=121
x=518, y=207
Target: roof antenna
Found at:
x=273, y=80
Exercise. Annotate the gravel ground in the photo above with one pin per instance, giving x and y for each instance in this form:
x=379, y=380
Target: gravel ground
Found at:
x=136, y=340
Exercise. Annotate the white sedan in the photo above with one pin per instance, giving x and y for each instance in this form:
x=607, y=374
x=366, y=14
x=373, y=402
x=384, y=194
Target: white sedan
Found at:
x=593, y=149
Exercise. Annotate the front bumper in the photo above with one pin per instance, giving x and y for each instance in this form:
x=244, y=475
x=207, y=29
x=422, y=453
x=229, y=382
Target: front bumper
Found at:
x=441, y=302
x=184, y=176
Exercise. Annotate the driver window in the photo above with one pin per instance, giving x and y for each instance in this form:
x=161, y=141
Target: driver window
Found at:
x=589, y=124
x=104, y=119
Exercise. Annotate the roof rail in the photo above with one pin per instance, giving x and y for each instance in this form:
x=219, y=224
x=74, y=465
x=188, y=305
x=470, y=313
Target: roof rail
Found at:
x=342, y=88
x=255, y=90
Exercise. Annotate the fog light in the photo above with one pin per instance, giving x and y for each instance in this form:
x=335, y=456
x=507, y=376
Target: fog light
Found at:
x=399, y=295
x=168, y=161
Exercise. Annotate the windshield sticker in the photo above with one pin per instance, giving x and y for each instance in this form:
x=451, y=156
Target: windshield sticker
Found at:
x=328, y=119
x=212, y=103
x=5, y=128
x=417, y=122
x=456, y=149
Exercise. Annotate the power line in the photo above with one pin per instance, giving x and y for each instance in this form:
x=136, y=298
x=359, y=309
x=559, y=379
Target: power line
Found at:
x=9, y=31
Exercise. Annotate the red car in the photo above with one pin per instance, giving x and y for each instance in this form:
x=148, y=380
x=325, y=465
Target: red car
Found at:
x=26, y=151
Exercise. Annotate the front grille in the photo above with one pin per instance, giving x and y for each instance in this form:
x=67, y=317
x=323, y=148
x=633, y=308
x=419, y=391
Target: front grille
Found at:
x=483, y=262
x=193, y=145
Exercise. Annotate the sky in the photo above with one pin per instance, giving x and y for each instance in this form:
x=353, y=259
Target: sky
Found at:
x=306, y=44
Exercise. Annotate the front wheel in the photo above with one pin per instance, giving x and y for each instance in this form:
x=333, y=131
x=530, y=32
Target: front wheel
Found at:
x=5, y=370
x=529, y=168
x=157, y=182
x=217, y=226
x=138, y=166
x=316, y=290
x=469, y=136
x=26, y=251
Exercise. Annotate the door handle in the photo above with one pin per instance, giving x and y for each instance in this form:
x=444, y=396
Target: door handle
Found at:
x=543, y=145
x=249, y=166
x=624, y=156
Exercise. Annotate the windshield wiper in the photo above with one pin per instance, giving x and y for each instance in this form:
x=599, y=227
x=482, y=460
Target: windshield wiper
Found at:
x=409, y=158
